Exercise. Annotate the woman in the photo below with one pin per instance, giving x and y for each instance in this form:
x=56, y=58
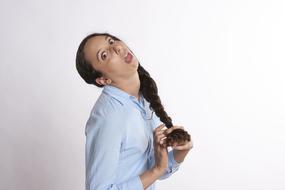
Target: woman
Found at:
x=126, y=144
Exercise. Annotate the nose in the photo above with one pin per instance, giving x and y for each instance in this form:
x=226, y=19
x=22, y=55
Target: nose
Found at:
x=117, y=48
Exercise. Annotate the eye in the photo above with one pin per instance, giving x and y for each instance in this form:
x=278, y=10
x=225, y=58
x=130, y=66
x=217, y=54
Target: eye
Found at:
x=111, y=41
x=103, y=55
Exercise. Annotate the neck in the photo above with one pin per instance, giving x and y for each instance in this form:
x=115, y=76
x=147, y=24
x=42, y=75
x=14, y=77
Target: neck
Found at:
x=130, y=86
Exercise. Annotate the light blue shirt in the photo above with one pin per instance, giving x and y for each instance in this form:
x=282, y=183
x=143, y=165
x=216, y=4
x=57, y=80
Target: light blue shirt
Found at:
x=119, y=142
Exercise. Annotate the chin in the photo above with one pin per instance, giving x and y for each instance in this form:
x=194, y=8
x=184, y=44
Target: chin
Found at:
x=136, y=64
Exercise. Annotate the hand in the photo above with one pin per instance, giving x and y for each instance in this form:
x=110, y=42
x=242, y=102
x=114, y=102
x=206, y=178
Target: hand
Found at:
x=160, y=149
x=185, y=145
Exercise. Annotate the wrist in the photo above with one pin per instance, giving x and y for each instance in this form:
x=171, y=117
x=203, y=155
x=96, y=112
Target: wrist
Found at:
x=179, y=155
x=157, y=171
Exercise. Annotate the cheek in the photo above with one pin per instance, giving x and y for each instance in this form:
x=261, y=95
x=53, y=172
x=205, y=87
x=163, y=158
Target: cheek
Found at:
x=113, y=67
x=115, y=62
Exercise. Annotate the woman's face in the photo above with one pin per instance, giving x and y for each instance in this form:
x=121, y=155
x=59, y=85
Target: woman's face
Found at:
x=110, y=57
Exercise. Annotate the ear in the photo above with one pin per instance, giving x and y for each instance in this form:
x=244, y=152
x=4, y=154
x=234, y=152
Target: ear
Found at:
x=103, y=81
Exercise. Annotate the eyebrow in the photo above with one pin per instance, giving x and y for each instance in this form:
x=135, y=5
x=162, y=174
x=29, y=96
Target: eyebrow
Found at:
x=100, y=49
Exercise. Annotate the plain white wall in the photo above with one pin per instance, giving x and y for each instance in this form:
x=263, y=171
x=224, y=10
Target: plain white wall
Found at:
x=219, y=66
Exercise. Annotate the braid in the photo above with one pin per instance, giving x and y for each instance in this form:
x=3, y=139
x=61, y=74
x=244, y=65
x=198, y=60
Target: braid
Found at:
x=149, y=90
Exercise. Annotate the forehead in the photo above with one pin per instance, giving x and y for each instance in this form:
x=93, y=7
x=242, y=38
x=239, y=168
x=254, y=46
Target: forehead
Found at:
x=93, y=45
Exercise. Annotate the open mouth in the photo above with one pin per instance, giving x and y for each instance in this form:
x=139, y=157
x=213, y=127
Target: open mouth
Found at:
x=128, y=58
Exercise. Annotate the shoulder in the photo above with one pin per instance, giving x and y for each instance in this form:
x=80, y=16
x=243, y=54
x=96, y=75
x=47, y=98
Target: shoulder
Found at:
x=106, y=114
x=107, y=106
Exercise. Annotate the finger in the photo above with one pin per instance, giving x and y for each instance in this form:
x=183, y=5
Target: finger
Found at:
x=159, y=137
x=164, y=128
x=159, y=127
x=167, y=131
x=159, y=132
x=162, y=140
x=179, y=148
x=185, y=146
x=170, y=130
x=164, y=144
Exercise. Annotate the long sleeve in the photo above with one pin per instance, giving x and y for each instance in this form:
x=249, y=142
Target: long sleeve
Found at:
x=173, y=166
x=104, y=136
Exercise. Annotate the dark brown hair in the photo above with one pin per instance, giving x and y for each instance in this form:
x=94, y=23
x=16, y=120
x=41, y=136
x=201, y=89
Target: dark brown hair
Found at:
x=148, y=86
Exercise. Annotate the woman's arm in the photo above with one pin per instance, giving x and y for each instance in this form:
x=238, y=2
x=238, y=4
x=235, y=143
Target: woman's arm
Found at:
x=179, y=155
x=161, y=158
x=150, y=176
x=180, y=151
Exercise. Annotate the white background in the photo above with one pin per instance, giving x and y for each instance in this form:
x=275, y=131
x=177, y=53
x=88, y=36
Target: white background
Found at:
x=219, y=66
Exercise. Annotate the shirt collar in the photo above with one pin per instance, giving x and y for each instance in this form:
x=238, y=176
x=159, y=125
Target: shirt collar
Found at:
x=120, y=95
